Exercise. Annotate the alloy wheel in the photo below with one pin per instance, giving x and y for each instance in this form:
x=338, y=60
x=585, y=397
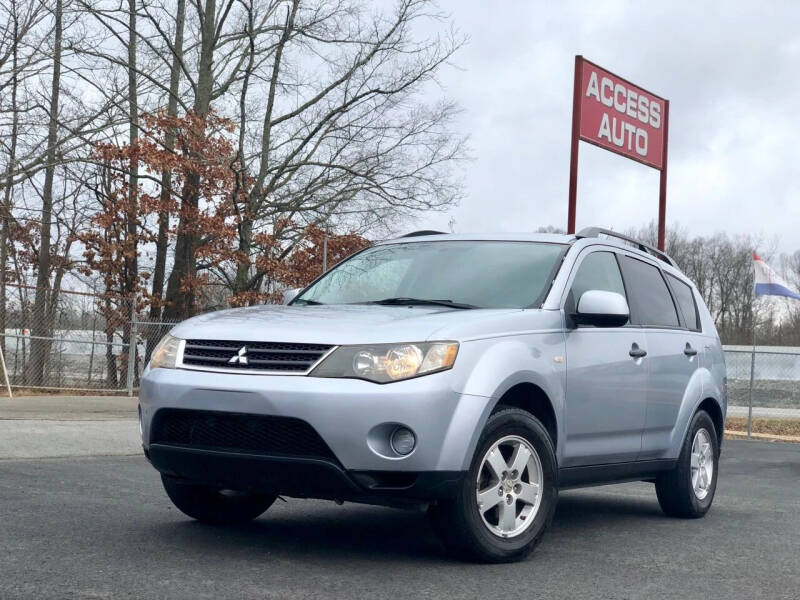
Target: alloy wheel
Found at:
x=509, y=486
x=702, y=463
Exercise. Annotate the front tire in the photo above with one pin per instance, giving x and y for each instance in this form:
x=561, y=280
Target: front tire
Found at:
x=210, y=505
x=688, y=490
x=507, y=500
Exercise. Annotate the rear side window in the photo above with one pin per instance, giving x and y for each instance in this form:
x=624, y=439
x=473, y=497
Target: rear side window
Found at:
x=598, y=271
x=685, y=299
x=650, y=301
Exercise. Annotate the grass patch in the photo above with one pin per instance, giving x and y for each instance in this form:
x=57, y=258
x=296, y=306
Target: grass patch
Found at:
x=763, y=425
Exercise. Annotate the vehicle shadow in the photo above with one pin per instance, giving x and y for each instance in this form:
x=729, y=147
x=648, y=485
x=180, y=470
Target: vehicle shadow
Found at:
x=324, y=531
x=585, y=509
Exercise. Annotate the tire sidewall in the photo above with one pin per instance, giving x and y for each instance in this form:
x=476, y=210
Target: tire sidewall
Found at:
x=701, y=421
x=502, y=424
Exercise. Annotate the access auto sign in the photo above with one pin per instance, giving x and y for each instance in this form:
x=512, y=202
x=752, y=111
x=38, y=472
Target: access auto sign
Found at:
x=621, y=117
x=613, y=113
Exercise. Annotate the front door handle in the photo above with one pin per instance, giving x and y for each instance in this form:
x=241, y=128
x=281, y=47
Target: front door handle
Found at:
x=689, y=351
x=637, y=352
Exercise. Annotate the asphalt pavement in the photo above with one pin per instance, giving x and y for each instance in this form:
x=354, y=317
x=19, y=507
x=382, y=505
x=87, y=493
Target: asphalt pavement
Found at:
x=36, y=438
x=59, y=426
x=68, y=408
x=101, y=527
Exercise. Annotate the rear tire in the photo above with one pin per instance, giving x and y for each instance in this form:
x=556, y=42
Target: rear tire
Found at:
x=688, y=490
x=518, y=497
x=210, y=505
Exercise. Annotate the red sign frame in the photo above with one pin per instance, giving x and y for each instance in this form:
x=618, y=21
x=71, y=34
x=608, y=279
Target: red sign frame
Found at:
x=615, y=114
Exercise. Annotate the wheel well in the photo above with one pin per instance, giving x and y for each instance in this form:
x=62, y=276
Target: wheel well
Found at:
x=712, y=408
x=531, y=398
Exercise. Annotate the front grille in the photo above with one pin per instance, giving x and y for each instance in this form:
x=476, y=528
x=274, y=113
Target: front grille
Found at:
x=253, y=356
x=236, y=432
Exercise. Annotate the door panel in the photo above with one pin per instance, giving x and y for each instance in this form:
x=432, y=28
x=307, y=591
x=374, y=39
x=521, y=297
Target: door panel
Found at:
x=671, y=363
x=670, y=372
x=606, y=395
x=606, y=390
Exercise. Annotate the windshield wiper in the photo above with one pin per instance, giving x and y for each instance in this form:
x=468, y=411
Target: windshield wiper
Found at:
x=404, y=301
x=307, y=302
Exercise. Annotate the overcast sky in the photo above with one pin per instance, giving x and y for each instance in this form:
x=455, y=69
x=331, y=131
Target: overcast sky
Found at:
x=731, y=71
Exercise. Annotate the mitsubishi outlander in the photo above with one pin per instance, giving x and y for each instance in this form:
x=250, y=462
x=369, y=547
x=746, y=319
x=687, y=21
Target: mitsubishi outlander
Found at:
x=471, y=375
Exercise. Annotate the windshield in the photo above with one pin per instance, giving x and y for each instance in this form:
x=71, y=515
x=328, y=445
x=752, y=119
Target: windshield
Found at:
x=476, y=274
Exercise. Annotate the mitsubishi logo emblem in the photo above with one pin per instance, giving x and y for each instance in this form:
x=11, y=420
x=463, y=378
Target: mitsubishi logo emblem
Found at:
x=240, y=357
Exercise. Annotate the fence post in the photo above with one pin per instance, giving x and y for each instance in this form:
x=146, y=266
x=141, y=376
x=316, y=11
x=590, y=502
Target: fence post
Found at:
x=750, y=401
x=5, y=368
x=132, y=347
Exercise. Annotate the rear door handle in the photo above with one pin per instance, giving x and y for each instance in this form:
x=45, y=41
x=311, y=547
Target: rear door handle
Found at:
x=688, y=350
x=637, y=352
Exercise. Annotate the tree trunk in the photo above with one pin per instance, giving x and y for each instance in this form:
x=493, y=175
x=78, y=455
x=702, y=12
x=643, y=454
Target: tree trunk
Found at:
x=12, y=155
x=40, y=328
x=242, y=281
x=162, y=243
x=184, y=270
x=131, y=266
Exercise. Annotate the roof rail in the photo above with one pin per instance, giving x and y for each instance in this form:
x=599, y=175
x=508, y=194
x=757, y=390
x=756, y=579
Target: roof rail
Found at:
x=422, y=232
x=596, y=232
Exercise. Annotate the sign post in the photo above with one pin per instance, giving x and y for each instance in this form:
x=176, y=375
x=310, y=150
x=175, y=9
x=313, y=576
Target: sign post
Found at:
x=617, y=115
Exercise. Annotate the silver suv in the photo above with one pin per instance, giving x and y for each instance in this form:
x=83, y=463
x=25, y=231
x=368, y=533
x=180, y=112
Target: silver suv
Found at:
x=475, y=375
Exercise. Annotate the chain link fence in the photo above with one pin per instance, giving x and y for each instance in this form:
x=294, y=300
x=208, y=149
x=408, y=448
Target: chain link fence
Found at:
x=775, y=373
x=81, y=344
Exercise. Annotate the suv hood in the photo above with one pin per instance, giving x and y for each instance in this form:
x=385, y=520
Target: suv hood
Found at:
x=335, y=324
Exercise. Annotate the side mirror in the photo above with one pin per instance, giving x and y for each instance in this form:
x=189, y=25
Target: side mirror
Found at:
x=602, y=309
x=289, y=295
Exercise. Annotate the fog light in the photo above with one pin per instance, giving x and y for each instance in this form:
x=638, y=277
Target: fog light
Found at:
x=141, y=427
x=403, y=441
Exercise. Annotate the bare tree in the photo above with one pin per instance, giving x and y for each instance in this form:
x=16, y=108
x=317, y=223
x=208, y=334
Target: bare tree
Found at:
x=327, y=112
x=341, y=140
x=159, y=268
x=55, y=135
x=5, y=210
x=212, y=20
x=328, y=127
x=17, y=63
x=41, y=328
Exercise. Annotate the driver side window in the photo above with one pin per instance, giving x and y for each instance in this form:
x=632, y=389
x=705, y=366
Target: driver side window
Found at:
x=597, y=271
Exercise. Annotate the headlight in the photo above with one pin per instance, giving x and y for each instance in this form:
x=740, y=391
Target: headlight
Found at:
x=165, y=354
x=383, y=363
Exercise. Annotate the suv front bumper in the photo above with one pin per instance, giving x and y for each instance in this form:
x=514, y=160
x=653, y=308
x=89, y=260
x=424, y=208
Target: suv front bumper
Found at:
x=301, y=477
x=346, y=413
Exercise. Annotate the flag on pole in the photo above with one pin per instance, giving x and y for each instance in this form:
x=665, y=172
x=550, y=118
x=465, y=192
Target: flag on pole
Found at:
x=769, y=283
